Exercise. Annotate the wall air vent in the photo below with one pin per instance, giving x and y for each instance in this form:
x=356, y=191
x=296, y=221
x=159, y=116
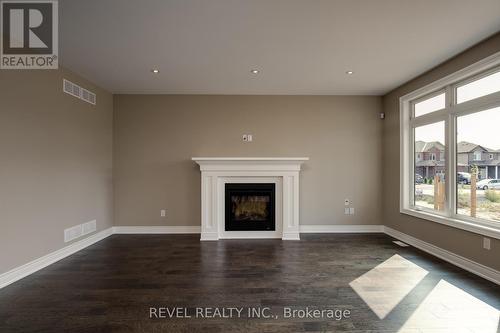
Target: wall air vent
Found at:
x=73, y=233
x=79, y=92
x=80, y=230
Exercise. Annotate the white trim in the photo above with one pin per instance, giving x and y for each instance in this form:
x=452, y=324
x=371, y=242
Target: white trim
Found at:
x=256, y=164
x=219, y=159
x=291, y=236
x=455, y=259
x=33, y=266
x=250, y=235
x=174, y=229
x=209, y=236
x=318, y=228
x=341, y=228
x=474, y=227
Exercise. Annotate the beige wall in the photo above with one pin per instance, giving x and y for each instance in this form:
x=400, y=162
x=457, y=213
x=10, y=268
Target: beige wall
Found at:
x=461, y=242
x=55, y=163
x=56, y=158
x=155, y=137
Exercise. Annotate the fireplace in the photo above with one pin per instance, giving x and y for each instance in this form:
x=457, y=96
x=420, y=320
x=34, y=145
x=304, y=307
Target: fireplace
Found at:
x=280, y=173
x=250, y=207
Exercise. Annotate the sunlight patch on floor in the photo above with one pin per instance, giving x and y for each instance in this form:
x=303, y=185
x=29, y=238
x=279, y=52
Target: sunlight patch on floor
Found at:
x=448, y=308
x=384, y=286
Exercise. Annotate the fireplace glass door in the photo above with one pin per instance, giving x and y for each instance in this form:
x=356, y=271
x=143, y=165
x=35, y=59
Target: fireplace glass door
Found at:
x=250, y=207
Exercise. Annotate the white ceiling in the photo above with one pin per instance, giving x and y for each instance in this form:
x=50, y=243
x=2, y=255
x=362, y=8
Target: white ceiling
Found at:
x=299, y=46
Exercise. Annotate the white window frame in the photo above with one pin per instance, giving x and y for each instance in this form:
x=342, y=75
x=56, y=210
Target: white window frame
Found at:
x=490, y=156
x=449, y=115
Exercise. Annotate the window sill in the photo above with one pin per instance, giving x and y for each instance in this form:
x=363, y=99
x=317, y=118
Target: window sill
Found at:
x=456, y=223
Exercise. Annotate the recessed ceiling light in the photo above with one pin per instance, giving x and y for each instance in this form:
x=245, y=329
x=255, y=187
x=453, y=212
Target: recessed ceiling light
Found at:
x=156, y=71
x=349, y=72
x=254, y=71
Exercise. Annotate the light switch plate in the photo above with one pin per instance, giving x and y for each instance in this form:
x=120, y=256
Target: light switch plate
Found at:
x=346, y=211
x=163, y=213
x=351, y=211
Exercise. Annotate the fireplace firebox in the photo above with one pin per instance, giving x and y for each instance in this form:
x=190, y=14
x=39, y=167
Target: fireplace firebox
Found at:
x=250, y=207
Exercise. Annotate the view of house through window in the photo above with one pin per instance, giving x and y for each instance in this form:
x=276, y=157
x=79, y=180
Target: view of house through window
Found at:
x=478, y=165
x=430, y=167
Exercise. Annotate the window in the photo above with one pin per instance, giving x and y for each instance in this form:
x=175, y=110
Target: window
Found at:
x=446, y=127
x=429, y=105
x=477, y=88
x=430, y=194
x=482, y=201
x=477, y=156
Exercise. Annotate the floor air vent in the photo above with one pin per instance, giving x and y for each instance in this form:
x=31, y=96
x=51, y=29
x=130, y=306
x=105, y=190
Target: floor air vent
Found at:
x=79, y=92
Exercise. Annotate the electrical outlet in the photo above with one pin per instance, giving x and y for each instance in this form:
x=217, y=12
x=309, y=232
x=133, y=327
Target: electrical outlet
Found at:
x=249, y=137
x=245, y=138
x=486, y=243
x=347, y=202
x=163, y=213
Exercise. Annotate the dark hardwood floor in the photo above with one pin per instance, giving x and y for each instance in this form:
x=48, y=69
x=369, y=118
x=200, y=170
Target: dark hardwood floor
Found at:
x=111, y=286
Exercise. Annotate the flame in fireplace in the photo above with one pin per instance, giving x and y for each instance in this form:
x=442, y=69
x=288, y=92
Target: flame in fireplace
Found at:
x=250, y=207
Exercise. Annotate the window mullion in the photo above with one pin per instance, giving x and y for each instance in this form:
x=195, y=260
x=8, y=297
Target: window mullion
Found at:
x=451, y=164
x=429, y=119
x=450, y=147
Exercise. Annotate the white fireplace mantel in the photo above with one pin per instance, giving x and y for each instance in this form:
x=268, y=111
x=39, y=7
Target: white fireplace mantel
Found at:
x=217, y=171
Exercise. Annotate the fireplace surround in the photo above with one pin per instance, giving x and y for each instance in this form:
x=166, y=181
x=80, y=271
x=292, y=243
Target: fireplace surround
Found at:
x=281, y=172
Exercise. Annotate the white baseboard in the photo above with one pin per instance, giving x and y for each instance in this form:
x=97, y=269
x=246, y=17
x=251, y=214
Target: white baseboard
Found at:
x=174, y=229
x=209, y=236
x=455, y=259
x=341, y=228
x=37, y=264
x=291, y=236
x=327, y=228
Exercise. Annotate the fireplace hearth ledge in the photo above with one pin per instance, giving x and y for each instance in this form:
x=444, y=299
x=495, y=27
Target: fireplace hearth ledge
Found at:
x=217, y=171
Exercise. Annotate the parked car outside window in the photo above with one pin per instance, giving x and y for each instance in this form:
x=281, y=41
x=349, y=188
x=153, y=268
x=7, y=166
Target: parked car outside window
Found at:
x=463, y=178
x=486, y=184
